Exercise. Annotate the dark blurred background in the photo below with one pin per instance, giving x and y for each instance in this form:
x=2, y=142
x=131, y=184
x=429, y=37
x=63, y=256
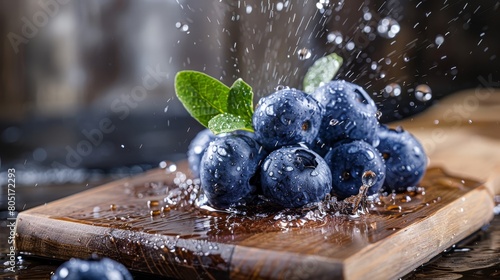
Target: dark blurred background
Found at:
x=88, y=85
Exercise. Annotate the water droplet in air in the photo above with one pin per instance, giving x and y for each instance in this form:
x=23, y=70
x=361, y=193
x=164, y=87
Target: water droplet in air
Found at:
x=350, y=46
x=304, y=54
x=279, y=6
x=248, y=9
x=388, y=28
x=423, y=93
x=368, y=178
x=378, y=115
x=439, y=40
x=334, y=37
x=182, y=26
x=367, y=16
x=392, y=90
x=322, y=4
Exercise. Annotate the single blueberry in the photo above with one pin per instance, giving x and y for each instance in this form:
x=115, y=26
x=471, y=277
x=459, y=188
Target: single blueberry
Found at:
x=295, y=176
x=348, y=160
x=196, y=149
x=404, y=156
x=93, y=269
x=286, y=117
x=227, y=169
x=350, y=113
x=200, y=143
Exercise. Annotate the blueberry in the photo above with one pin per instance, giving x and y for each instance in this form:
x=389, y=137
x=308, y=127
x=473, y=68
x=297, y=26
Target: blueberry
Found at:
x=286, y=117
x=350, y=113
x=404, y=157
x=295, y=176
x=196, y=149
x=348, y=161
x=227, y=169
x=94, y=269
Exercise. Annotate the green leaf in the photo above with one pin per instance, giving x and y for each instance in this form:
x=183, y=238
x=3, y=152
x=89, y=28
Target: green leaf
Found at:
x=240, y=100
x=203, y=97
x=213, y=104
x=228, y=123
x=322, y=71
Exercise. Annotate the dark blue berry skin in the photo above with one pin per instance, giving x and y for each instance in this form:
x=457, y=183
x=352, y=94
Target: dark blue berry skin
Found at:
x=227, y=170
x=348, y=161
x=286, y=117
x=197, y=148
x=200, y=143
x=349, y=113
x=104, y=269
x=404, y=157
x=295, y=176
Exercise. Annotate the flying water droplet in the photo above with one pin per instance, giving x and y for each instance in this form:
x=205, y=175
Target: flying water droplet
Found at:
x=335, y=37
x=423, y=93
x=439, y=40
x=392, y=90
x=388, y=28
x=350, y=46
x=304, y=54
x=182, y=26
x=248, y=9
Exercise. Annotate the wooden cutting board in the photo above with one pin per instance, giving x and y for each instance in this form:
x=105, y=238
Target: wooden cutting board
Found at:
x=124, y=220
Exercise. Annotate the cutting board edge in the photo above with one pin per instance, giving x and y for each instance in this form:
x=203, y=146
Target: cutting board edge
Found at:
x=375, y=271
x=79, y=237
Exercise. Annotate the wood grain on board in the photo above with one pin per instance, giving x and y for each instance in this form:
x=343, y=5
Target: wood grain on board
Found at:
x=116, y=219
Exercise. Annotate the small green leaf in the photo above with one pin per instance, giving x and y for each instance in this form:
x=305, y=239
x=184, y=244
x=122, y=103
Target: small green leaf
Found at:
x=203, y=97
x=228, y=123
x=213, y=104
x=240, y=100
x=322, y=71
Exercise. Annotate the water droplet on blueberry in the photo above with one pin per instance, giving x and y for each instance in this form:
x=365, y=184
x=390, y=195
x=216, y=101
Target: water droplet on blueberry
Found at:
x=222, y=151
x=270, y=111
x=333, y=122
x=369, y=178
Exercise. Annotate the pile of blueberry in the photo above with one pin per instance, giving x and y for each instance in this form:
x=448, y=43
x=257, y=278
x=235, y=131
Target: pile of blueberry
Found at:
x=304, y=147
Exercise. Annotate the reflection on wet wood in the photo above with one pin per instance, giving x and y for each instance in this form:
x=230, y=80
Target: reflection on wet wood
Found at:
x=149, y=223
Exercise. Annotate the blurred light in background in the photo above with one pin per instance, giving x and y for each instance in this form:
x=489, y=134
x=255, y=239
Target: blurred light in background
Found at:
x=89, y=84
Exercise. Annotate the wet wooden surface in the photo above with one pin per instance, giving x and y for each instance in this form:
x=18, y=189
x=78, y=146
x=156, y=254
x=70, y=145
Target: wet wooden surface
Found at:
x=115, y=220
